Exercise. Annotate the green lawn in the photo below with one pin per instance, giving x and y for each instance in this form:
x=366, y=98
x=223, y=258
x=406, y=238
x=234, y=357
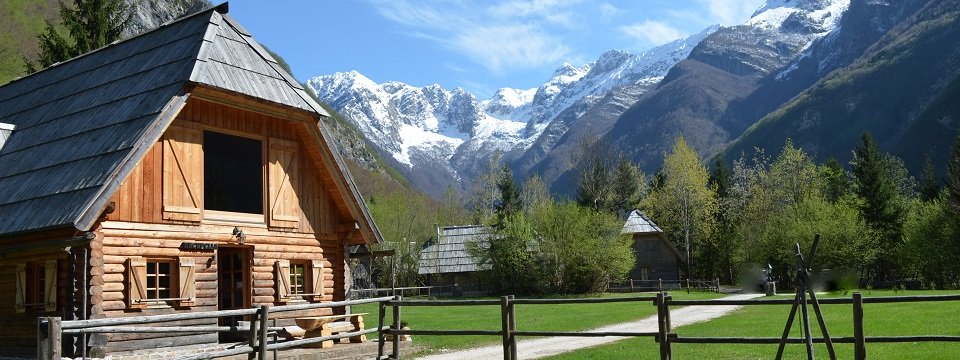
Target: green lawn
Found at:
x=559, y=317
x=928, y=318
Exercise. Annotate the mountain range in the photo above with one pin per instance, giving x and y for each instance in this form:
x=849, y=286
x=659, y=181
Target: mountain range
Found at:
x=819, y=72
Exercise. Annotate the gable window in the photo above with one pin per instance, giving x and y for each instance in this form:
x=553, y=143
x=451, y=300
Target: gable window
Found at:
x=233, y=173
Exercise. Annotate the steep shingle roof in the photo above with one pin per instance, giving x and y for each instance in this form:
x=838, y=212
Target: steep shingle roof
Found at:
x=450, y=254
x=81, y=125
x=638, y=222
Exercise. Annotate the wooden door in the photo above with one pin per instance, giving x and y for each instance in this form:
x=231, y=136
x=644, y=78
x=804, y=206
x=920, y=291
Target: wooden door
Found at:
x=233, y=274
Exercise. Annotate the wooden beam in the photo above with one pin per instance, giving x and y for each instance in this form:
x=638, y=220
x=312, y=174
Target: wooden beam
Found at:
x=250, y=103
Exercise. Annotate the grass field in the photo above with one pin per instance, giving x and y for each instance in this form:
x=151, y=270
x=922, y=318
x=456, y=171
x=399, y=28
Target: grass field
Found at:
x=929, y=318
x=560, y=317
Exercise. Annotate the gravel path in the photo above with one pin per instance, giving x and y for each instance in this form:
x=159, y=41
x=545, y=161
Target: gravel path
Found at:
x=538, y=348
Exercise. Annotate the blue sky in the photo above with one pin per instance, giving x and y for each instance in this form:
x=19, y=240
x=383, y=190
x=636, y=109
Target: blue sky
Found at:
x=477, y=45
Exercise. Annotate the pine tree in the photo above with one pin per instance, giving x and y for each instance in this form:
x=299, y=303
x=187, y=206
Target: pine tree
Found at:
x=510, y=203
x=881, y=208
x=929, y=181
x=90, y=24
x=953, y=179
x=628, y=186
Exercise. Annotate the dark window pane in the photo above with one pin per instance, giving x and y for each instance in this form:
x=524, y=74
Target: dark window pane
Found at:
x=164, y=294
x=151, y=282
x=164, y=268
x=233, y=173
x=164, y=281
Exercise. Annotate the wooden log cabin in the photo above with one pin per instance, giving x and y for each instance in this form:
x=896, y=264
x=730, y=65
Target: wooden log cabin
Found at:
x=180, y=170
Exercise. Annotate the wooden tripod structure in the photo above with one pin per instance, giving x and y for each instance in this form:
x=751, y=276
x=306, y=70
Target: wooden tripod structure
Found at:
x=804, y=289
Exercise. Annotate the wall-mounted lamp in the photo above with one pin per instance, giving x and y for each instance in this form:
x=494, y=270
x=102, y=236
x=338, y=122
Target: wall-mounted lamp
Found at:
x=239, y=234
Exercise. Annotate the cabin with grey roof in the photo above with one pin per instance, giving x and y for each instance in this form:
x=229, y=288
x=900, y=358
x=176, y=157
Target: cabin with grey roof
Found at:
x=179, y=170
x=656, y=257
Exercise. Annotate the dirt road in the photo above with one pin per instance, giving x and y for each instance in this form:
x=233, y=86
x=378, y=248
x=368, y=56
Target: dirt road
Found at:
x=539, y=348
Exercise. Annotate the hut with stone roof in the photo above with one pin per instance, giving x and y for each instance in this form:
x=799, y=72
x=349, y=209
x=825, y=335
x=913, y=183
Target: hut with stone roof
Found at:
x=180, y=170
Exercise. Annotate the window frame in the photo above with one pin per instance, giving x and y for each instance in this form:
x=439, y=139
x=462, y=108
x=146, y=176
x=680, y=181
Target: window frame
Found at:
x=231, y=217
x=303, y=286
x=172, y=289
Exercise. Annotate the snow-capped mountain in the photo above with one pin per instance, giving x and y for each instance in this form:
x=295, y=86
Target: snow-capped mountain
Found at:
x=451, y=131
x=436, y=125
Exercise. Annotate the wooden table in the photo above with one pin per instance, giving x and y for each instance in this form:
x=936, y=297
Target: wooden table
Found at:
x=320, y=326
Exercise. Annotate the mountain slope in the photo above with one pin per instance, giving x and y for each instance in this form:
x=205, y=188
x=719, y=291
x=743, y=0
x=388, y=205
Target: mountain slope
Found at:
x=903, y=90
x=727, y=66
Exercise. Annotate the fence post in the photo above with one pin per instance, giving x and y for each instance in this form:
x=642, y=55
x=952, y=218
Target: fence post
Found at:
x=262, y=314
x=663, y=326
x=660, y=287
x=48, y=338
x=252, y=337
x=396, y=327
x=505, y=325
x=718, y=285
x=631, y=284
x=859, y=348
x=513, y=328
x=688, y=285
x=380, y=335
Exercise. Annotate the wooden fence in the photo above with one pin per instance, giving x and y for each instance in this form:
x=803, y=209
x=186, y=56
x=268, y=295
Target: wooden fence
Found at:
x=664, y=336
x=50, y=329
x=631, y=285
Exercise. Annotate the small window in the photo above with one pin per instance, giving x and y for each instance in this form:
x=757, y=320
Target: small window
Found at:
x=298, y=278
x=159, y=279
x=35, y=285
x=645, y=273
x=233, y=173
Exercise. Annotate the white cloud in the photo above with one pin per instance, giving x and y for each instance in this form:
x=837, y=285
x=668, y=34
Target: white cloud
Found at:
x=512, y=35
x=608, y=11
x=652, y=32
x=730, y=12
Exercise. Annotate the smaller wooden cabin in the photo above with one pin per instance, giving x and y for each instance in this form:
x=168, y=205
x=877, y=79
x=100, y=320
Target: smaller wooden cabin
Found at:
x=656, y=257
x=447, y=262
x=180, y=170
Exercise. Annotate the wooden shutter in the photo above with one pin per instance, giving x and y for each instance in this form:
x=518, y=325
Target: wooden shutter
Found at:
x=317, y=278
x=182, y=173
x=136, y=282
x=283, y=182
x=21, y=305
x=50, y=285
x=282, y=275
x=188, y=284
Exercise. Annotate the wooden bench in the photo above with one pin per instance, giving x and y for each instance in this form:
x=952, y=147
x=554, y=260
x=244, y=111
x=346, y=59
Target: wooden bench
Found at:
x=320, y=326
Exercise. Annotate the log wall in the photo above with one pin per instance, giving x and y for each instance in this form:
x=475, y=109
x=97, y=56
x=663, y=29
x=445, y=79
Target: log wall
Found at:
x=138, y=228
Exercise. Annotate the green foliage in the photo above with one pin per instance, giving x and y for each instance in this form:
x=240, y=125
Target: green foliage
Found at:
x=21, y=22
x=685, y=206
x=534, y=194
x=834, y=180
x=510, y=203
x=90, y=24
x=582, y=249
x=932, y=244
x=608, y=180
x=510, y=255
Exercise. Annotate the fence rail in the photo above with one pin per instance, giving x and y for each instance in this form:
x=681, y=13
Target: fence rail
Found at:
x=631, y=285
x=51, y=329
